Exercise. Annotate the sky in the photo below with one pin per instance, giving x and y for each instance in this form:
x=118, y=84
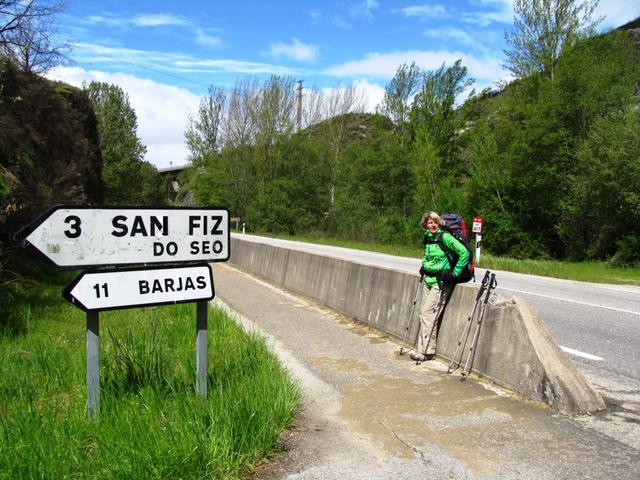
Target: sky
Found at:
x=165, y=54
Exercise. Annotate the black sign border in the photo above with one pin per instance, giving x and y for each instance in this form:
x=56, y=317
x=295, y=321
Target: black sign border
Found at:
x=22, y=234
x=66, y=293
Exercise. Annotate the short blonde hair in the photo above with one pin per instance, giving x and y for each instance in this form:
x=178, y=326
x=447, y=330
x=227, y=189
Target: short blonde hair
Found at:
x=433, y=216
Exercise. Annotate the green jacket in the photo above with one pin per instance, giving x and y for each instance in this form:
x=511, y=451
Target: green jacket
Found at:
x=434, y=259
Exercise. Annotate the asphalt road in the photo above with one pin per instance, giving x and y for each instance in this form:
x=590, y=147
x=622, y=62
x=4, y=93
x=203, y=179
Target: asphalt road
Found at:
x=598, y=325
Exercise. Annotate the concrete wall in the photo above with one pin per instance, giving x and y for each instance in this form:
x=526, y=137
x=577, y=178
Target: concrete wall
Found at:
x=515, y=349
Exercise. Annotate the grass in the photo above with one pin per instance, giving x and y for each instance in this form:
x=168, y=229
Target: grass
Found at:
x=598, y=272
x=151, y=423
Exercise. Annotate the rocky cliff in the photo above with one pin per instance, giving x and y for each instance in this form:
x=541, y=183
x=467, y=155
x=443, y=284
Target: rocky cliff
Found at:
x=49, y=148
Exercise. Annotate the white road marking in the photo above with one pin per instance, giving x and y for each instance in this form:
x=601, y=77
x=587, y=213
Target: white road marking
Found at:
x=578, y=353
x=571, y=301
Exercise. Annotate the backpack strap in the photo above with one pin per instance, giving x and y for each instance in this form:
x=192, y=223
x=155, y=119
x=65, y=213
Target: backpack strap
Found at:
x=446, y=250
x=440, y=241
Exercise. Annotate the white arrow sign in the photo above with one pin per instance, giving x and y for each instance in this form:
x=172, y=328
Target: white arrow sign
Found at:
x=77, y=236
x=96, y=291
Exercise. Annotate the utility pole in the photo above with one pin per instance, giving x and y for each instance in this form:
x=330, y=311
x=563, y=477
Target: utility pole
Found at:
x=299, y=109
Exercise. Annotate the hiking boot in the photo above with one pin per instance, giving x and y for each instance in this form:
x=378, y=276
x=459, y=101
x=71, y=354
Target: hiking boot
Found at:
x=418, y=357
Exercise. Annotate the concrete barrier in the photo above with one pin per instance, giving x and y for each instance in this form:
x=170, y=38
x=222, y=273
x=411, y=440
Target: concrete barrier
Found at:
x=515, y=349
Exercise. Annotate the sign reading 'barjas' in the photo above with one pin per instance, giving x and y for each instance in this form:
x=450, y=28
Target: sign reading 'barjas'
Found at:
x=96, y=291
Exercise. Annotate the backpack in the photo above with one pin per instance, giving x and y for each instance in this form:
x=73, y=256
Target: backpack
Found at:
x=456, y=226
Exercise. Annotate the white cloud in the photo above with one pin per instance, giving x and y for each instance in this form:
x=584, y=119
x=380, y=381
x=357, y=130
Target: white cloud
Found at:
x=295, y=50
x=499, y=3
x=385, y=65
x=234, y=66
x=450, y=33
x=157, y=20
x=484, y=19
x=142, y=20
x=207, y=40
x=95, y=19
x=492, y=11
x=340, y=22
x=174, y=63
x=424, y=11
x=315, y=15
x=373, y=93
x=162, y=110
x=91, y=53
x=364, y=9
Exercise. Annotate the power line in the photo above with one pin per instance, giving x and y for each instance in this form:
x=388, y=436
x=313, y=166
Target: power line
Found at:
x=620, y=17
x=165, y=73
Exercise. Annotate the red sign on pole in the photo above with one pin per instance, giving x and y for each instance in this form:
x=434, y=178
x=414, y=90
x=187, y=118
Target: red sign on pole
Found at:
x=476, y=226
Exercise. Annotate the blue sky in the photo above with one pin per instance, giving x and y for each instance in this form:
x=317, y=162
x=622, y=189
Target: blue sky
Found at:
x=165, y=54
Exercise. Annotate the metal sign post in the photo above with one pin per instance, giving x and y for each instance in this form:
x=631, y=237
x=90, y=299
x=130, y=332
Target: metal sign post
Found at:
x=201, y=348
x=98, y=291
x=93, y=363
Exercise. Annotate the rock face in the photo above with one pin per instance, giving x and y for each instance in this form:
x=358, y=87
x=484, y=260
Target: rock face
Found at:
x=49, y=148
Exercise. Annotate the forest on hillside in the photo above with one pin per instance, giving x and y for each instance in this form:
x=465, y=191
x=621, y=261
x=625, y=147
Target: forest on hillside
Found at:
x=551, y=160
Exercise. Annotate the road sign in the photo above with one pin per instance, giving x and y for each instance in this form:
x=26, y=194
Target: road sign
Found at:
x=476, y=226
x=109, y=290
x=86, y=236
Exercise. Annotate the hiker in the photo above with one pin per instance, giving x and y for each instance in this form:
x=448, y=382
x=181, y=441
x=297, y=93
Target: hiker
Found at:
x=438, y=279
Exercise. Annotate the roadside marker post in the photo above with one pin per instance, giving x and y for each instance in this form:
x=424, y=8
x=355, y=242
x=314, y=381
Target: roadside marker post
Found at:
x=181, y=239
x=477, y=228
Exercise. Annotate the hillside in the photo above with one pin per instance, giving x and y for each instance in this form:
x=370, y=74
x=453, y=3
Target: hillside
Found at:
x=49, y=148
x=355, y=127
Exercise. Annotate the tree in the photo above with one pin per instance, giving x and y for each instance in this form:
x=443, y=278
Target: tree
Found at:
x=541, y=29
x=606, y=191
x=434, y=106
x=338, y=104
x=399, y=93
x=27, y=34
x=396, y=105
x=435, y=124
x=597, y=99
x=312, y=107
x=238, y=129
x=370, y=194
x=122, y=151
x=273, y=117
x=542, y=156
x=202, y=132
x=294, y=200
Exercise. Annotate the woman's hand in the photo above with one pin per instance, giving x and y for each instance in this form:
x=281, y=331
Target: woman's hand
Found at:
x=447, y=276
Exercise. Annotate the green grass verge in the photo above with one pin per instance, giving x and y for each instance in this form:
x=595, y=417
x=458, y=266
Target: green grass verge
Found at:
x=599, y=272
x=151, y=423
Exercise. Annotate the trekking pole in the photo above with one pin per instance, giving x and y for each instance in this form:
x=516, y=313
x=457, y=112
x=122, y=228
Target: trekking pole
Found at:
x=415, y=299
x=474, y=342
x=467, y=329
x=437, y=310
